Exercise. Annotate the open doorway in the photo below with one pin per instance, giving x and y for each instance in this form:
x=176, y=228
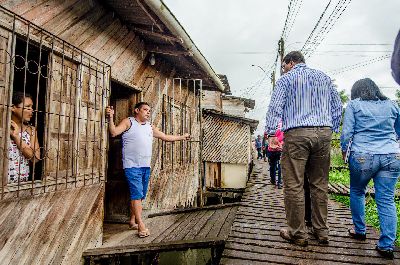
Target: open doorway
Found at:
x=122, y=99
x=29, y=59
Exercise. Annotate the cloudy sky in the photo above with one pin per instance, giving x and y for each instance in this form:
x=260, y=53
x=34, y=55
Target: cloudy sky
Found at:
x=234, y=35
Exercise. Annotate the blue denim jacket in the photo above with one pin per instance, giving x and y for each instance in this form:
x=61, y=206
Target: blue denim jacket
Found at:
x=372, y=125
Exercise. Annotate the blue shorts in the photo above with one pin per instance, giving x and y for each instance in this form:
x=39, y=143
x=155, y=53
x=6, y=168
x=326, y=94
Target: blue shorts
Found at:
x=138, y=181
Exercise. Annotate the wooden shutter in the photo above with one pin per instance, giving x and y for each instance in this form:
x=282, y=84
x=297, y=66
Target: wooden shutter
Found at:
x=5, y=94
x=60, y=118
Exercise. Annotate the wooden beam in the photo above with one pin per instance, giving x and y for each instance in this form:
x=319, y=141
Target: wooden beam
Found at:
x=106, y=252
x=139, y=2
x=167, y=50
x=157, y=34
x=196, y=209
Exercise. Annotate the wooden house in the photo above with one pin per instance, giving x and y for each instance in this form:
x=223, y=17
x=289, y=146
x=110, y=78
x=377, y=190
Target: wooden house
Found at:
x=226, y=142
x=74, y=58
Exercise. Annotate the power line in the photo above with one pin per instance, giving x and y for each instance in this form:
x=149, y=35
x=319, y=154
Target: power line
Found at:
x=358, y=65
x=316, y=37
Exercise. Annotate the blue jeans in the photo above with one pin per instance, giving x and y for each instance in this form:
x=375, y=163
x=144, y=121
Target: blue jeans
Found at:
x=384, y=170
x=275, y=167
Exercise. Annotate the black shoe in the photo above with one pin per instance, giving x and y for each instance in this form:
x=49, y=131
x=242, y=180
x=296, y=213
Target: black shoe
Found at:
x=356, y=236
x=297, y=241
x=386, y=253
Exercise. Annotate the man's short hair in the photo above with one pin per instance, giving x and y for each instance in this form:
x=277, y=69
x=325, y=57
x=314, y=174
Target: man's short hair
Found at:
x=294, y=56
x=140, y=104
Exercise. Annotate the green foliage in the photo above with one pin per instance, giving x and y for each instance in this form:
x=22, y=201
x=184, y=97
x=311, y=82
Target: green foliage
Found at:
x=343, y=96
x=398, y=95
x=336, y=158
x=371, y=214
x=340, y=176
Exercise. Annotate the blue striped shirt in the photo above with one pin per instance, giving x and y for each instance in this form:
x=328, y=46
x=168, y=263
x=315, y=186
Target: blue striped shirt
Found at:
x=304, y=97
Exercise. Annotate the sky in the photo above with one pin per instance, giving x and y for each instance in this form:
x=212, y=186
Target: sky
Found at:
x=233, y=35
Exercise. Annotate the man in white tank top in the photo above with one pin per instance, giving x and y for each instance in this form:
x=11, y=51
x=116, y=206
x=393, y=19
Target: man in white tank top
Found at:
x=137, y=139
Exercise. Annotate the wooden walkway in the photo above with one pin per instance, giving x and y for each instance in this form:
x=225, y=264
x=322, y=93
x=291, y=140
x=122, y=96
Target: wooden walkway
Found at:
x=174, y=230
x=255, y=239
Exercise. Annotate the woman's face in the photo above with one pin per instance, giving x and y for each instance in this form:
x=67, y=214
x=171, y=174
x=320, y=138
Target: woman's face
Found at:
x=24, y=110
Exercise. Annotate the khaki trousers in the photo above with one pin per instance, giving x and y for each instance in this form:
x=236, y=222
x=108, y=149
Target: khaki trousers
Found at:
x=302, y=145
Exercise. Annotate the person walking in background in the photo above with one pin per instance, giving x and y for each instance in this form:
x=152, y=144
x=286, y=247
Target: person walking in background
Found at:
x=137, y=143
x=396, y=60
x=258, y=144
x=274, y=149
x=265, y=146
x=370, y=128
x=309, y=106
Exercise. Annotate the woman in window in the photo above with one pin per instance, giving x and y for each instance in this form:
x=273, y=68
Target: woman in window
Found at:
x=24, y=146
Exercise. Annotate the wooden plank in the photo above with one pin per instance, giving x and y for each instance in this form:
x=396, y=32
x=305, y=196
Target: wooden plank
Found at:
x=169, y=229
x=182, y=228
x=93, y=30
x=113, y=43
x=210, y=223
x=156, y=226
x=121, y=47
x=153, y=247
x=248, y=257
x=195, y=209
x=95, y=45
x=195, y=224
x=81, y=28
x=217, y=225
x=200, y=225
x=20, y=6
x=303, y=253
x=43, y=13
x=227, y=226
x=70, y=17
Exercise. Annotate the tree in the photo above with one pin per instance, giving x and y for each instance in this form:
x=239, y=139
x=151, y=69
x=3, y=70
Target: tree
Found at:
x=398, y=96
x=343, y=96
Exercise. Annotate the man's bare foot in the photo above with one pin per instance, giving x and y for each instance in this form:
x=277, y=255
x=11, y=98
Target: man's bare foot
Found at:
x=133, y=226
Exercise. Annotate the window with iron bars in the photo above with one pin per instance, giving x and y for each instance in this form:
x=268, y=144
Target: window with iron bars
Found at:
x=69, y=90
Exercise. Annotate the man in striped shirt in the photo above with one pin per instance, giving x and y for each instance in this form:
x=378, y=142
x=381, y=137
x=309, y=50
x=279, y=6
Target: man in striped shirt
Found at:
x=309, y=106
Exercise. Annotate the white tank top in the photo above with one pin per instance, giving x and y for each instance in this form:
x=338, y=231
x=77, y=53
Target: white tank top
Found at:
x=137, y=144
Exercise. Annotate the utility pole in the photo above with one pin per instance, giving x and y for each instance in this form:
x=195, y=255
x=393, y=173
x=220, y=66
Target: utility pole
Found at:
x=281, y=50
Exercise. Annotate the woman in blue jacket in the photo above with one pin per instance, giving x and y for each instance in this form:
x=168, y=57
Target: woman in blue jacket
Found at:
x=371, y=128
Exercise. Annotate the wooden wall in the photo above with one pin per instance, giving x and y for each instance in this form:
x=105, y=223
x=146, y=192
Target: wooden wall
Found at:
x=233, y=107
x=226, y=140
x=91, y=28
x=95, y=30
x=52, y=228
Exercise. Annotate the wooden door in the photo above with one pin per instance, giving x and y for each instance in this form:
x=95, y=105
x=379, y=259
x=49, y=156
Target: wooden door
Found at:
x=117, y=194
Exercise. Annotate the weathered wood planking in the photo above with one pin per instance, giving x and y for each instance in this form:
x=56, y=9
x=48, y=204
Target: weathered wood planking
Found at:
x=255, y=239
x=226, y=140
x=52, y=228
x=191, y=227
x=90, y=27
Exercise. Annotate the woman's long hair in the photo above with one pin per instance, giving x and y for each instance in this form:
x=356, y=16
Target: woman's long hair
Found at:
x=366, y=89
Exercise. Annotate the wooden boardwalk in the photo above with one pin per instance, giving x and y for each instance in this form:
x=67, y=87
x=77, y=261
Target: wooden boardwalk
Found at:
x=255, y=239
x=175, y=230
